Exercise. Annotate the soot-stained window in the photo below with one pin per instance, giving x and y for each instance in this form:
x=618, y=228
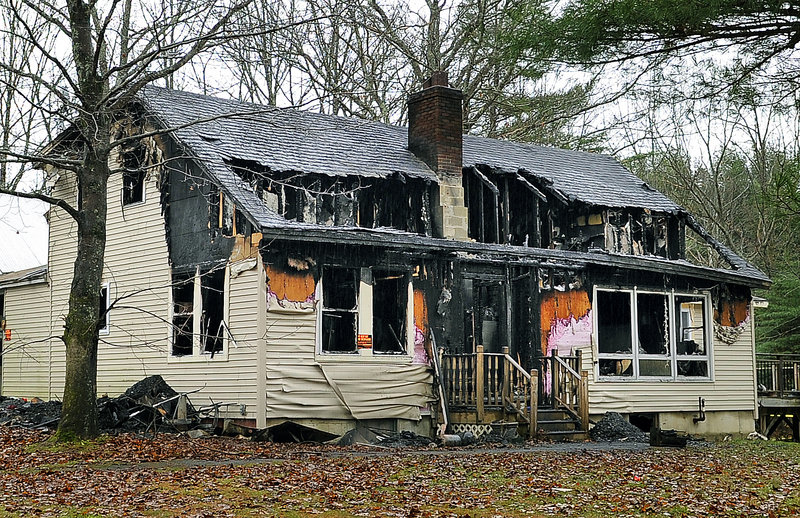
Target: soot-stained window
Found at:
x=635, y=340
x=389, y=307
x=182, y=314
x=134, y=175
x=339, y=309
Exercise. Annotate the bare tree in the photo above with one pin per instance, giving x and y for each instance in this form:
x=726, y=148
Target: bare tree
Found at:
x=115, y=49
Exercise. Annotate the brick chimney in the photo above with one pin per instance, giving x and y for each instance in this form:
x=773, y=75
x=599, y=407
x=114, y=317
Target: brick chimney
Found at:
x=435, y=136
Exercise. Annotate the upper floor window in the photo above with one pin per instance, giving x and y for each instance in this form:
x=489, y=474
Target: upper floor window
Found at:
x=133, y=178
x=651, y=335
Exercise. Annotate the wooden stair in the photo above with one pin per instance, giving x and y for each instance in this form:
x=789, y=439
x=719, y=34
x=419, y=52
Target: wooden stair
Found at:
x=558, y=424
x=485, y=388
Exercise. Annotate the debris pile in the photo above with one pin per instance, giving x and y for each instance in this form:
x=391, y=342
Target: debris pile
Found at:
x=613, y=427
x=29, y=413
x=148, y=403
x=404, y=439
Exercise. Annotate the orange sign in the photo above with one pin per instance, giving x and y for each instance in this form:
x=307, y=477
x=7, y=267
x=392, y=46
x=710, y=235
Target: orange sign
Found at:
x=8, y=334
x=364, y=341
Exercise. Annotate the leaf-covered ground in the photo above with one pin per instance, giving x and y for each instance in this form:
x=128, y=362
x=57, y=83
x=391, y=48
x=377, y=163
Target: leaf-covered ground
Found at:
x=177, y=476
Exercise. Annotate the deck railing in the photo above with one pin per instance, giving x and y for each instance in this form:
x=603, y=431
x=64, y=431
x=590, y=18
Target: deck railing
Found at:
x=778, y=375
x=491, y=381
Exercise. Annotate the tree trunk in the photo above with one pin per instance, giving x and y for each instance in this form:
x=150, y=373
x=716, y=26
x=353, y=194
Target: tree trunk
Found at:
x=79, y=411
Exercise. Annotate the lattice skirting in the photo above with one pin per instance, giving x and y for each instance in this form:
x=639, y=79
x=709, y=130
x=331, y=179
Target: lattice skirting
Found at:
x=478, y=430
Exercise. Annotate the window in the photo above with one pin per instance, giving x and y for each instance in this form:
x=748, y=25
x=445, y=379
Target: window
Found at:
x=134, y=175
x=339, y=309
x=198, y=313
x=366, y=311
x=104, y=323
x=389, y=305
x=644, y=335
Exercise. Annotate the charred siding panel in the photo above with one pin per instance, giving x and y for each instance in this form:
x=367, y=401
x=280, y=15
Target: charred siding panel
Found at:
x=27, y=312
x=191, y=240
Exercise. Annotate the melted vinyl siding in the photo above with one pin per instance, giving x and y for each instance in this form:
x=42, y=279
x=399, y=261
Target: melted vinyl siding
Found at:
x=732, y=388
x=137, y=267
x=298, y=386
x=25, y=355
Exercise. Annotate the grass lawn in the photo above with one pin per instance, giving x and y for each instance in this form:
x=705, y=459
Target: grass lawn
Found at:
x=176, y=476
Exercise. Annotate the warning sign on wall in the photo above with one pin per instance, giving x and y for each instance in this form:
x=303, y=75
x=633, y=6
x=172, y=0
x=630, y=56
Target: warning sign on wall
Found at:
x=364, y=341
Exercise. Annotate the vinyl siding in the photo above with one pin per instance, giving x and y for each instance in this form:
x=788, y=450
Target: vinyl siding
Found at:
x=27, y=311
x=137, y=270
x=299, y=386
x=732, y=387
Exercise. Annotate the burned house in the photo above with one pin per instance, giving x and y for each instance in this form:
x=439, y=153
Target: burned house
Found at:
x=330, y=271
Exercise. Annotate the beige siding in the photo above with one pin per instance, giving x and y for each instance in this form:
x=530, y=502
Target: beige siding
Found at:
x=27, y=311
x=299, y=386
x=137, y=269
x=732, y=387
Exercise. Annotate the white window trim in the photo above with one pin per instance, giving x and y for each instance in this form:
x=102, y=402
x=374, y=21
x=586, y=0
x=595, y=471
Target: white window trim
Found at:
x=106, y=329
x=364, y=322
x=197, y=355
x=635, y=356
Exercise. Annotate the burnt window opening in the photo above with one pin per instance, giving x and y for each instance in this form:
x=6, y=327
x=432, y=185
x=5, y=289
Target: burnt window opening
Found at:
x=104, y=321
x=389, y=310
x=182, y=314
x=339, y=309
x=634, y=337
x=212, y=292
x=133, y=177
x=396, y=202
x=506, y=209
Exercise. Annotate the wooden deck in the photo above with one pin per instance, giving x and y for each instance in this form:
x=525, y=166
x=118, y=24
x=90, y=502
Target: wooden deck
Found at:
x=778, y=378
x=484, y=388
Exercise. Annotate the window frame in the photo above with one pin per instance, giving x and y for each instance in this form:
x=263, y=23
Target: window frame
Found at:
x=140, y=171
x=106, y=329
x=365, y=319
x=635, y=356
x=198, y=340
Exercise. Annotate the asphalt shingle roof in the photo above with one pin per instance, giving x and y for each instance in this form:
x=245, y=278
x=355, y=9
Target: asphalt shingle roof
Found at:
x=217, y=131
x=587, y=177
x=293, y=140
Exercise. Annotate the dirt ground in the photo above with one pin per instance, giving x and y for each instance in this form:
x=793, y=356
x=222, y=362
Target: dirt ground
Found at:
x=172, y=475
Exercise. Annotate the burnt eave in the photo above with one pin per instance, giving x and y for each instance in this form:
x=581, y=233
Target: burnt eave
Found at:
x=426, y=245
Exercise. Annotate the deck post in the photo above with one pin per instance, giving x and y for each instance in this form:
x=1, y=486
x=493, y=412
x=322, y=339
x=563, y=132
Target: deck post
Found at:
x=479, y=390
x=554, y=378
x=506, y=378
x=584, y=400
x=534, y=403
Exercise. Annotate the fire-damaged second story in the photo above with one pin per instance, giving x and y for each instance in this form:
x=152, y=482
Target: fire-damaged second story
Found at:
x=330, y=270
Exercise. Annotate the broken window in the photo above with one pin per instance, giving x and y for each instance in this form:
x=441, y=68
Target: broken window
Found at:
x=198, y=312
x=631, y=317
x=134, y=175
x=182, y=314
x=389, y=307
x=339, y=309
x=212, y=290
x=104, y=325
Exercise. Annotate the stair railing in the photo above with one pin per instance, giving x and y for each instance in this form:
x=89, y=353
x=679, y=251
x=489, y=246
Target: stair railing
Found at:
x=570, y=388
x=491, y=381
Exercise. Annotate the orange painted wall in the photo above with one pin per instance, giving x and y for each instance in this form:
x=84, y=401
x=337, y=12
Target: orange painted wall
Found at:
x=561, y=305
x=731, y=313
x=291, y=286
